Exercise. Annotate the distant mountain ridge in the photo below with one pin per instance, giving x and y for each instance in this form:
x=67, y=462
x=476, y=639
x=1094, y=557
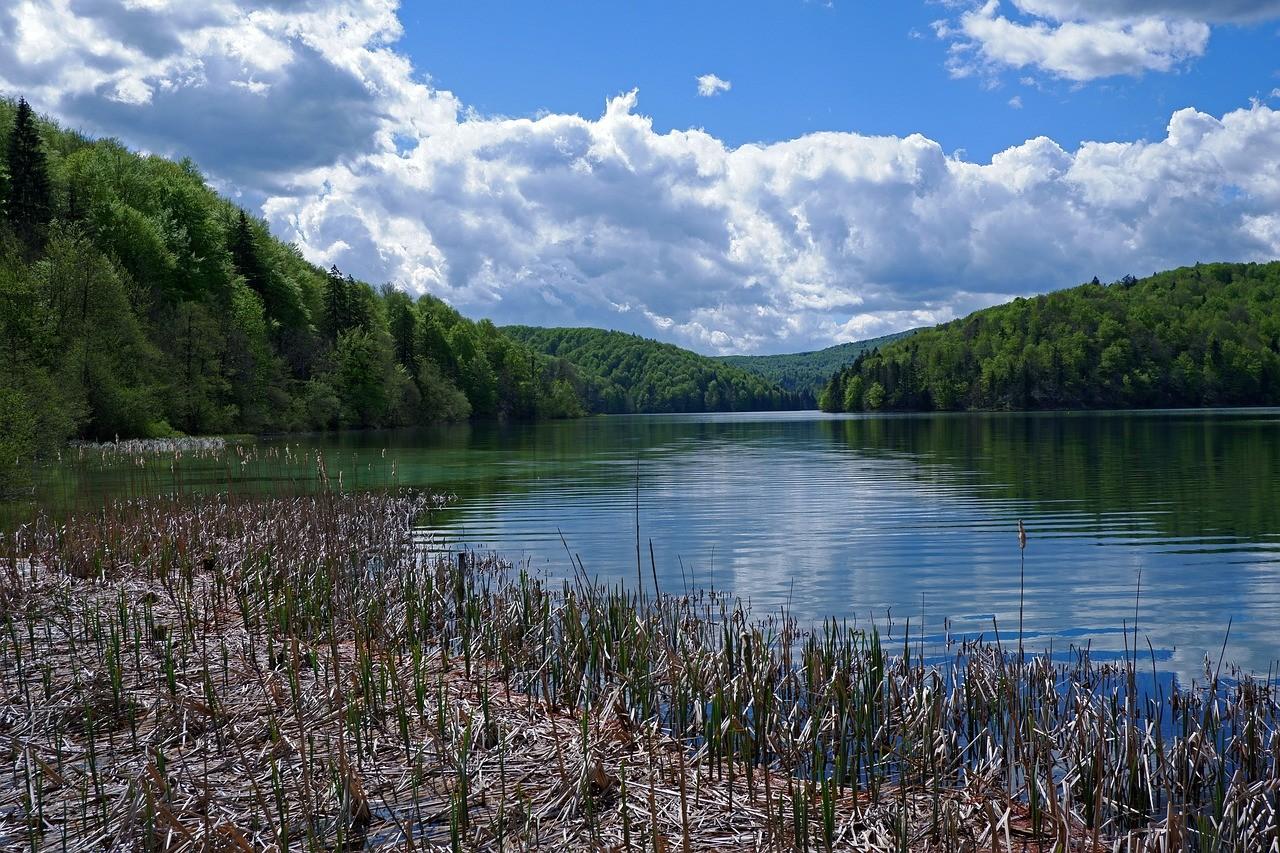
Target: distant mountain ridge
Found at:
x=808, y=372
x=631, y=373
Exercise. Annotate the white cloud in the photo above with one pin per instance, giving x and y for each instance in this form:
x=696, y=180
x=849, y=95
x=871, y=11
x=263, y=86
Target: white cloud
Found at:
x=205, y=78
x=1082, y=40
x=983, y=39
x=1016, y=102
x=603, y=221
x=563, y=219
x=710, y=85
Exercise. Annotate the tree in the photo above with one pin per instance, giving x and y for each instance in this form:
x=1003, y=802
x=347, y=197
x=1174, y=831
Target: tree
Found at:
x=362, y=366
x=104, y=358
x=336, y=317
x=27, y=202
x=875, y=396
x=402, y=322
x=853, y=392
x=244, y=255
x=279, y=300
x=441, y=399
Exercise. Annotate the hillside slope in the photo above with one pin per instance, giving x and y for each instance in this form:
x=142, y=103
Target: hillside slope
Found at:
x=1207, y=335
x=642, y=375
x=808, y=372
x=134, y=302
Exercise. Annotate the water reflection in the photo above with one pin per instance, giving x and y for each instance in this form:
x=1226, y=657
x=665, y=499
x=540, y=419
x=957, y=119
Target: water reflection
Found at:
x=914, y=518
x=877, y=518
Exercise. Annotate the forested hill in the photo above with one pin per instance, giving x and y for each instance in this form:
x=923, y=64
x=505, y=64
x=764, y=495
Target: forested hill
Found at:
x=134, y=301
x=636, y=374
x=1207, y=335
x=807, y=372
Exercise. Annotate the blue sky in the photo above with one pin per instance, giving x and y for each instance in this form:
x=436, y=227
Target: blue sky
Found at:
x=848, y=168
x=797, y=67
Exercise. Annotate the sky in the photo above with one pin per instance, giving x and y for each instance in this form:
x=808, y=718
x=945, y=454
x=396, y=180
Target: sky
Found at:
x=759, y=177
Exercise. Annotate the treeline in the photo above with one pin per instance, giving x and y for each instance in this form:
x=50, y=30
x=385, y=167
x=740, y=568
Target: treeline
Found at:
x=1207, y=335
x=807, y=373
x=136, y=302
x=640, y=375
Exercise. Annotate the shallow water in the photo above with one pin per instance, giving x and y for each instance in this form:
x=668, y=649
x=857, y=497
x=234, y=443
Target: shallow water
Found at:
x=889, y=518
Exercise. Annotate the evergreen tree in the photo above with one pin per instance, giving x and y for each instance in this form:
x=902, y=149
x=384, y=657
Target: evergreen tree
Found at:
x=402, y=322
x=244, y=254
x=27, y=204
x=336, y=318
x=279, y=298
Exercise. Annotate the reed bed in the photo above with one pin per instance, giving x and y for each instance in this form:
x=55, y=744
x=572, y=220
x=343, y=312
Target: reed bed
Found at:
x=135, y=447
x=305, y=672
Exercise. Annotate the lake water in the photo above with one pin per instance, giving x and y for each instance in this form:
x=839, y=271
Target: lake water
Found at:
x=892, y=518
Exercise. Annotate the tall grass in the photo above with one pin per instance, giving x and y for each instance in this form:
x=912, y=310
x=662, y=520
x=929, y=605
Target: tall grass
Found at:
x=300, y=670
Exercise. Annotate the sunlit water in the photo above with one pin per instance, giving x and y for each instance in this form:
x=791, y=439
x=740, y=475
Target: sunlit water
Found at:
x=890, y=519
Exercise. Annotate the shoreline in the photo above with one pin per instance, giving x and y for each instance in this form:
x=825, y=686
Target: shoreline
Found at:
x=271, y=672
x=218, y=441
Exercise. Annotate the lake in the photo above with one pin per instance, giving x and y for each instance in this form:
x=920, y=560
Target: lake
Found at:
x=887, y=519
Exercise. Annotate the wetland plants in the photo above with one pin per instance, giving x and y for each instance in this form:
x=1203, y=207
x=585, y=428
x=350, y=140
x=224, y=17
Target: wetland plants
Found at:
x=300, y=669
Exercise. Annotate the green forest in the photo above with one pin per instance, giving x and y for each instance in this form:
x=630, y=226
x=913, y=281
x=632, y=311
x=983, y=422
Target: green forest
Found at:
x=1207, y=335
x=136, y=302
x=807, y=373
x=636, y=374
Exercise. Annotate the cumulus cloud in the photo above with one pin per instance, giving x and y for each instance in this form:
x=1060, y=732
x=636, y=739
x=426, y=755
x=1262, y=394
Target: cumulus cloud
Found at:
x=829, y=236
x=601, y=220
x=983, y=39
x=709, y=85
x=1081, y=40
x=206, y=79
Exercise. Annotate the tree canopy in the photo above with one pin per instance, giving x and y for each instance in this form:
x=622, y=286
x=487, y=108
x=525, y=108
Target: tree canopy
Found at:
x=1207, y=335
x=27, y=203
x=635, y=374
x=806, y=373
x=136, y=302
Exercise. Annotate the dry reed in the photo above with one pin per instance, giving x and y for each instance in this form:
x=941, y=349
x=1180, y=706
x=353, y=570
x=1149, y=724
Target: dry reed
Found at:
x=303, y=671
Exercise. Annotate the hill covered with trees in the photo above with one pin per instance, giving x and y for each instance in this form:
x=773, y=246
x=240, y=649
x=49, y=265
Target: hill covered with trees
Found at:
x=807, y=373
x=1207, y=335
x=136, y=302
x=635, y=374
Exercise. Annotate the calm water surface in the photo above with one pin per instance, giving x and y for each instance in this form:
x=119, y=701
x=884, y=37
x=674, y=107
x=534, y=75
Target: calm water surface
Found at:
x=887, y=519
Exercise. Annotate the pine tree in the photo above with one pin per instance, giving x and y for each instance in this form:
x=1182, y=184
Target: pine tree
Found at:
x=337, y=305
x=402, y=322
x=244, y=254
x=27, y=203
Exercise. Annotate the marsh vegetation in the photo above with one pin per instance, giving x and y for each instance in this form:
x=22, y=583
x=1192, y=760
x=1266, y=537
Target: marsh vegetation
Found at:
x=300, y=669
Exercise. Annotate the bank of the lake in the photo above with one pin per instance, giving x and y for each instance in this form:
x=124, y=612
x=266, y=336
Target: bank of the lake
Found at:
x=296, y=668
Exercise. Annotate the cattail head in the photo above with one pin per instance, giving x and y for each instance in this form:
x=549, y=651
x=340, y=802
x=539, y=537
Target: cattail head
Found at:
x=1022, y=535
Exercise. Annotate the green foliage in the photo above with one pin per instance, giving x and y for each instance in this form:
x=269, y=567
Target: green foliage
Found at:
x=440, y=395
x=136, y=302
x=18, y=431
x=806, y=373
x=281, y=301
x=27, y=202
x=361, y=368
x=1207, y=335
x=628, y=373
